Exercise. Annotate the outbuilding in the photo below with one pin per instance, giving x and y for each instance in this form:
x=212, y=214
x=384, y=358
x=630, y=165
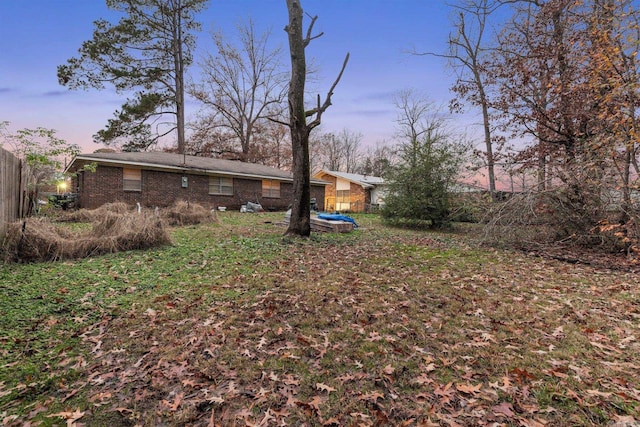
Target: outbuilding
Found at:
x=351, y=192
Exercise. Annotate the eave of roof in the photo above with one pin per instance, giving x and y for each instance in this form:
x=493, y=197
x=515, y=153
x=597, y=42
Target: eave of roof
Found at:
x=203, y=165
x=355, y=178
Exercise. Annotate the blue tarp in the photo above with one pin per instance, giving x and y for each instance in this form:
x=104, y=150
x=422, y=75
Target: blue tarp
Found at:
x=338, y=217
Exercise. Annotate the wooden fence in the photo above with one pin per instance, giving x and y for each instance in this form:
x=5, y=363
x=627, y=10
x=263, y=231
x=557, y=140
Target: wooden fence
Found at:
x=13, y=190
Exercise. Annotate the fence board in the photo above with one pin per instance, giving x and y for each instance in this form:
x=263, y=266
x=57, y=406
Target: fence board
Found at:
x=12, y=190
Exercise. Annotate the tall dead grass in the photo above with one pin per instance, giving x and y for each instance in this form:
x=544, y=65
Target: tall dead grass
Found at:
x=114, y=227
x=40, y=239
x=186, y=213
x=92, y=215
x=179, y=214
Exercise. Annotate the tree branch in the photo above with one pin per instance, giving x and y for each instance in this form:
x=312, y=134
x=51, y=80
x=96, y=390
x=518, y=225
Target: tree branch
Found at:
x=327, y=102
x=309, y=37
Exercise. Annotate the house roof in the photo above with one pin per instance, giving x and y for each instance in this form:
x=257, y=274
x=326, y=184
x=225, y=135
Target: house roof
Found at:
x=367, y=181
x=180, y=163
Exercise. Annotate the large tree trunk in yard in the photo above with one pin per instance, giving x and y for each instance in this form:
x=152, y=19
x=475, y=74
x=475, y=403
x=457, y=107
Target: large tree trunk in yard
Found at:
x=300, y=222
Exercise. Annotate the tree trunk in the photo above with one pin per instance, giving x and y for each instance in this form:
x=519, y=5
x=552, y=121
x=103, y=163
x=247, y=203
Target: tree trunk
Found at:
x=178, y=65
x=300, y=223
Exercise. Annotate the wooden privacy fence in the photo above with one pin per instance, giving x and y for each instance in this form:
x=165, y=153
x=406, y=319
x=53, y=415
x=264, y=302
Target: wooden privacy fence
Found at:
x=13, y=190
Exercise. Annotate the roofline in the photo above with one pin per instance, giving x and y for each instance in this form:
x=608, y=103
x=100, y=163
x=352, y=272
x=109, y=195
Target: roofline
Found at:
x=183, y=169
x=362, y=184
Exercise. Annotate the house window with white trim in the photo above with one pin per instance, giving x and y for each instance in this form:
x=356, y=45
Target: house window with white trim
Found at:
x=221, y=185
x=132, y=179
x=343, y=195
x=271, y=188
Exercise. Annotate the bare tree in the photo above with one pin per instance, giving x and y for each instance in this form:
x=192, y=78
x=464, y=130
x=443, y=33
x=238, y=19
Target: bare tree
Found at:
x=340, y=152
x=329, y=155
x=351, y=149
x=242, y=88
x=300, y=223
x=467, y=51
x=272, y=145
x=377, y=161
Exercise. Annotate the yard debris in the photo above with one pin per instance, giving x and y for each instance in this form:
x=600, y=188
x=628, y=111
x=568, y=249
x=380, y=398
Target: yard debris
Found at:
x=186, y=213
x=331, y=223
x=40, y=239
x=253, y=207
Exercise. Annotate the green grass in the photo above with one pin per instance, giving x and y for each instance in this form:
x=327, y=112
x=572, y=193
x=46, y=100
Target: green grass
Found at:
x=238, y=324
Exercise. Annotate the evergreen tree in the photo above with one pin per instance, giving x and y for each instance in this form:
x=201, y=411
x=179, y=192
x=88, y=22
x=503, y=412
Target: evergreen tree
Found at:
x=148, y=51
x=429, y=162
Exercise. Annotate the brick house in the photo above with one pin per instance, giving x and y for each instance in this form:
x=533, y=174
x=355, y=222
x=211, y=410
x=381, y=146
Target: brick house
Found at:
x=160, y=179
x=351, y=192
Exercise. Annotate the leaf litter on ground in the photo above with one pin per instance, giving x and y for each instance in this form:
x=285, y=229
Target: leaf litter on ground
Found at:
x=237, y=325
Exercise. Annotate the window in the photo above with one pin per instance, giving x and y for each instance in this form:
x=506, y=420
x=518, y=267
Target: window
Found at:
x=343, y=196
x=132, y=179
x=271, y=188
x=221, y=185
x=343, y=200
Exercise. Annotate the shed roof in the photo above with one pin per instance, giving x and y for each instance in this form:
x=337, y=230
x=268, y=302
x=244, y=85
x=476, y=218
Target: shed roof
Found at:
x=367, y=181
x=182, y=163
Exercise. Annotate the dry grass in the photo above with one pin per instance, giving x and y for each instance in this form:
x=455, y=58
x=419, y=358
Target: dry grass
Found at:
x=39, y=239
x=91, y=215
x=115, y=227
x=185, y=213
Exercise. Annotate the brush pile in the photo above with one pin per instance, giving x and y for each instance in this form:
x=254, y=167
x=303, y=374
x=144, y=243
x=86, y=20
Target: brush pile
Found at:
x=185, y=213
x=94, y=215
x=40, y=239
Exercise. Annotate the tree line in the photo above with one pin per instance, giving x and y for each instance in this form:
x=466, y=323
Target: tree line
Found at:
x=561, y=78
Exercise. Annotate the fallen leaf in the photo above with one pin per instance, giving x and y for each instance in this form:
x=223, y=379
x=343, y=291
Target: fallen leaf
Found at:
x=324, y=387
x=468, y=388
x=71, y=417
x=505, y=408
x=173, y=406
x=372, y=397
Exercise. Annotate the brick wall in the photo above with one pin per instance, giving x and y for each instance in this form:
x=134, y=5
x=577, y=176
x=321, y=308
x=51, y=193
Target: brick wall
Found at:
x=160, y=188
x=358, y=196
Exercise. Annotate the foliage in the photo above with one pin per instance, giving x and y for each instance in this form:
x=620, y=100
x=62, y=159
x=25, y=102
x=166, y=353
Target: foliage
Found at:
x=148, y=50
x=553, y=219
x=44, y=153
x=40, y=148
x=429, y=162
x=566, y=77
x=377, y=160
x=234, y=324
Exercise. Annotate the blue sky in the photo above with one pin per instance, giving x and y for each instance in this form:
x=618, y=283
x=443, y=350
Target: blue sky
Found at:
x=38, y=35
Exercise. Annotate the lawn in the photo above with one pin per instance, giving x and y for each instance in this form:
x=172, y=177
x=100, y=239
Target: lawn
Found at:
x=234, y=324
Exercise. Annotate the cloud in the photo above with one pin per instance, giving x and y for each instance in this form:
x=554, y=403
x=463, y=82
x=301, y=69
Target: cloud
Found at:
x=6, y=89
x=55, y=93
x=370, y=113
x=386, y=96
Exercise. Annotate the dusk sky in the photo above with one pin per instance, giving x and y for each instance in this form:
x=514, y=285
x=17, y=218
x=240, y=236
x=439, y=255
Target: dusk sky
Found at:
x=38, y=35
